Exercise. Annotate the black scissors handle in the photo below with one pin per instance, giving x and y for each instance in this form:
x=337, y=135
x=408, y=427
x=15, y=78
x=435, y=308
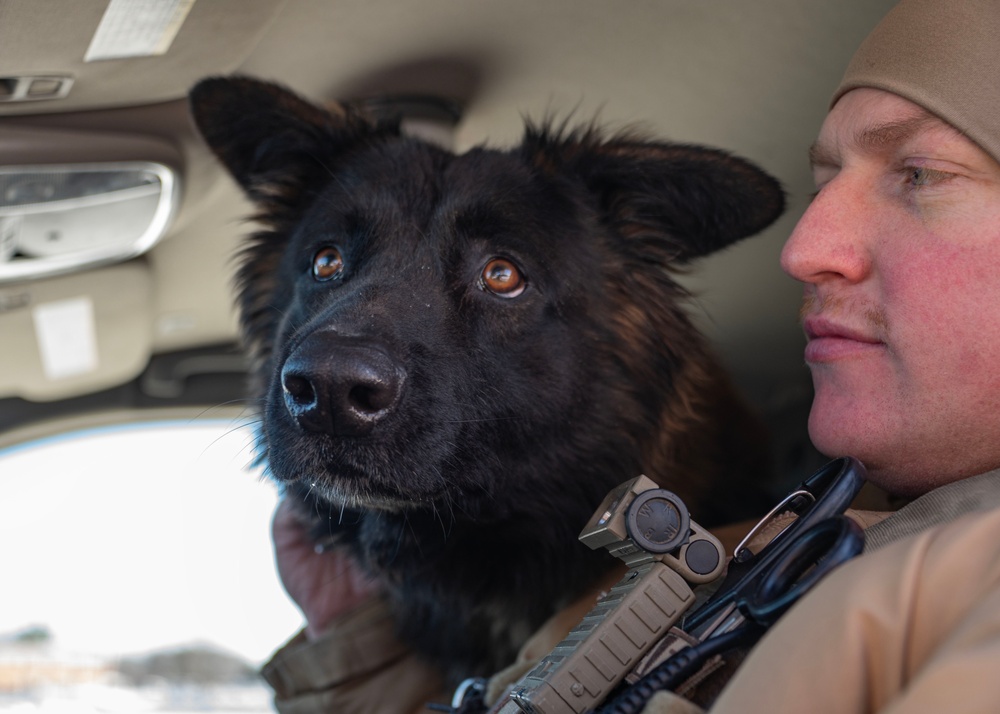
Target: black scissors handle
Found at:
x=807, y=559
x=828, y=492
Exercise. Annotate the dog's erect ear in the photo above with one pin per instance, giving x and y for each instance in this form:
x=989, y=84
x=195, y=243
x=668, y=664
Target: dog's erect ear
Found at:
x=272, y=140
x=679, y=201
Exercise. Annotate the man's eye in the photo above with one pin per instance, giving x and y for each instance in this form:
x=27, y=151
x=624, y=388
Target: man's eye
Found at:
x=918, y=176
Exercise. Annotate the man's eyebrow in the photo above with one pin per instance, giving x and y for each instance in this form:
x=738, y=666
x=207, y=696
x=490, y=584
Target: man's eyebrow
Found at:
x=882, y=136
x=879, y=137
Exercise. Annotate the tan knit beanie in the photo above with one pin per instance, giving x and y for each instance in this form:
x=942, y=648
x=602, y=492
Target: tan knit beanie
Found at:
x=941, y=54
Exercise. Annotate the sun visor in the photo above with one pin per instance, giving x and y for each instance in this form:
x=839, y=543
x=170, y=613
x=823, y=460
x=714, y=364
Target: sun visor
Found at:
x=76, y=334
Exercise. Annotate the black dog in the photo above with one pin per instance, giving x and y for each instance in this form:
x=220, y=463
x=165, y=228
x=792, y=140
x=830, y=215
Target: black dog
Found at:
x=457, y=357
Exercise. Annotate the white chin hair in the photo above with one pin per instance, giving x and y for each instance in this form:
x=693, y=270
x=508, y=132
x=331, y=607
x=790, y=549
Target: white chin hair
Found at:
x=358, y=499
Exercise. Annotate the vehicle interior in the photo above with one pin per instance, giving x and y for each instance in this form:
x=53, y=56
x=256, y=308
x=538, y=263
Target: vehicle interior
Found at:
x=118, y=229
x=120, y=232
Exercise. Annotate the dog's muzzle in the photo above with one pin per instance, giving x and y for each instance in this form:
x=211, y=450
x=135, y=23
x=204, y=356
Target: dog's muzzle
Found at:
x=341, y=386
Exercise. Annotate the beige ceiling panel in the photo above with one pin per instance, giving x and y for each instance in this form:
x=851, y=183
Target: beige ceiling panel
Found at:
x=52, y=38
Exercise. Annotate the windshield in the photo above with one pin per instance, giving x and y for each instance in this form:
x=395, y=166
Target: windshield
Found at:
x=124, y=548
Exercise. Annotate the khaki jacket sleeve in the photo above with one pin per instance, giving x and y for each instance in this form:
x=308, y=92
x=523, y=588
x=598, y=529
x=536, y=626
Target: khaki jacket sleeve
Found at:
x=357, y=667
x=913, y=627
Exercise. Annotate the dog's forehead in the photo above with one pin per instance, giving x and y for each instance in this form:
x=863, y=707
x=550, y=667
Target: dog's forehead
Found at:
x=502, y=199
x=413, y=167
x=409, y=184
x=504, y=175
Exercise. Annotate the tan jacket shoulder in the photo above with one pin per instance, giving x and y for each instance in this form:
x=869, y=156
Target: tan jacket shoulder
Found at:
x=913, y=627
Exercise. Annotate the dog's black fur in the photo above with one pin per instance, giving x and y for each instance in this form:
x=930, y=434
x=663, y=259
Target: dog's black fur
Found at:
x=455, y=420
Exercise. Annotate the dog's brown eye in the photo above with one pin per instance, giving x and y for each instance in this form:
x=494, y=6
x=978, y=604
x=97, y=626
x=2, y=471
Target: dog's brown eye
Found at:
x=328, y=264
x=501, y=277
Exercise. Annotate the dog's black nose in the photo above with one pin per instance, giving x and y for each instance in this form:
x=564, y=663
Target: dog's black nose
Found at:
x=340, y=385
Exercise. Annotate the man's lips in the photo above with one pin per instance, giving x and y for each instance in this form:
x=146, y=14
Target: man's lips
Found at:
x=829, y=340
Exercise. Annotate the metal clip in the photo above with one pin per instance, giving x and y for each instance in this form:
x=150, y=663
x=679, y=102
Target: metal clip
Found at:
x=780, y=508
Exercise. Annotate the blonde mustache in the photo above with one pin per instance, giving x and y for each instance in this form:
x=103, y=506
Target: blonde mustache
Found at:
x=874, y=317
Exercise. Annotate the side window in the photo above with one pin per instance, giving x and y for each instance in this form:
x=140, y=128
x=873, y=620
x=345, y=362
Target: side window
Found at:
x=137, y=571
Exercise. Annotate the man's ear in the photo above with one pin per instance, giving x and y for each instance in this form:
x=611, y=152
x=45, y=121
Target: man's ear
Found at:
x=271, y=140
x=672, y=202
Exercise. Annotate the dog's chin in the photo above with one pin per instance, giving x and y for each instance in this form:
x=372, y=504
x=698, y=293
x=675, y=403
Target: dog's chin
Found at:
x=360, y=474
x=345, y=487
x=366, y=498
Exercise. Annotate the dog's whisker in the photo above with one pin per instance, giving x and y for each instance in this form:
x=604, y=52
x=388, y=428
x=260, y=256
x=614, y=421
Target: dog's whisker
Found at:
x=409, y=526
x=450, y=502
x=218, y=406
x=438, y=516
x=222, y=436
x=399, y=539
x=323, y=165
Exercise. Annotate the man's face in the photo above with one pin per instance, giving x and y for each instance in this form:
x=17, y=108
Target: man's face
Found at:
x=900, y=255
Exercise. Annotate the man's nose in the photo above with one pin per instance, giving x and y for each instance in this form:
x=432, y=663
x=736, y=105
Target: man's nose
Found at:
x=832, y=240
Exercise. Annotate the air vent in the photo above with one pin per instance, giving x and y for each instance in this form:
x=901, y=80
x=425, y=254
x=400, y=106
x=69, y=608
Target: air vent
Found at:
x=34, y=88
